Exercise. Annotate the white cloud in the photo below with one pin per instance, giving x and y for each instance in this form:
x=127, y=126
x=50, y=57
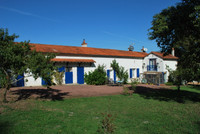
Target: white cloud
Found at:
x=27, y=13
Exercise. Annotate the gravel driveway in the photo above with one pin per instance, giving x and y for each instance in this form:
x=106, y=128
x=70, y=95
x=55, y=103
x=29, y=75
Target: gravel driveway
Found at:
x=61, y=92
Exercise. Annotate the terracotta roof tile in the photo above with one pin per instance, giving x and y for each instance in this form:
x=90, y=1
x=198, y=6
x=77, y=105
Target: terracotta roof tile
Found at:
x=73, y=60
x=71, y=50
x=161, y=55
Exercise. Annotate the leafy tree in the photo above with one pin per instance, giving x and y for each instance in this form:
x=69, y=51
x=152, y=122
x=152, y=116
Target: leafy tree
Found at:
x=179, y=27
x=97, y=77
x=175, y=76
x=18, y=58
x=115, y=66
x=121, y=73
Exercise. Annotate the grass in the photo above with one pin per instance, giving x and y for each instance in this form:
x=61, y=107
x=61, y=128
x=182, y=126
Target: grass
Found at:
x=135, y=114
x=190, y=88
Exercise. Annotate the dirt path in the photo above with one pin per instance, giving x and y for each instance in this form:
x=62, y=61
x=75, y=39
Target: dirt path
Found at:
x=68, y=91
x=61, y=92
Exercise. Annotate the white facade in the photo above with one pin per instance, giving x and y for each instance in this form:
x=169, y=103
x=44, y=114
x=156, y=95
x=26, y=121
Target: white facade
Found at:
x=160, y=63
x=172, y=65
x=135, y=64
x=160, y=66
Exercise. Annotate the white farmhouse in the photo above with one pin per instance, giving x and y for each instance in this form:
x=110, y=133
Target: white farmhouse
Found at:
x=76, y=61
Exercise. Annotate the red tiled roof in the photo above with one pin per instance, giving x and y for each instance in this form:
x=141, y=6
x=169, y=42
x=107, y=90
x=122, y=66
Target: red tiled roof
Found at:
x=73, y=60
x=161, y=55
x=86, y=51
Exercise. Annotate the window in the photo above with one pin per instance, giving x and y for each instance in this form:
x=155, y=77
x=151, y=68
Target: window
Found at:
x=133, y=73
x=152, y=62
x=152, y=65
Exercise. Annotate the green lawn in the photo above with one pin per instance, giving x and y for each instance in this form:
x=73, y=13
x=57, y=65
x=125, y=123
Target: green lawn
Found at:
x=152, y=113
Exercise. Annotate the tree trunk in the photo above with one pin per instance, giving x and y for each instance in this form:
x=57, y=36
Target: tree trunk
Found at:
x=178, y=87
x=5, y=94
x=7, y=87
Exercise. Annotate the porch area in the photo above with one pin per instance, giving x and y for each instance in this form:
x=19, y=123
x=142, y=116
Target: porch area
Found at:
x=155, y=78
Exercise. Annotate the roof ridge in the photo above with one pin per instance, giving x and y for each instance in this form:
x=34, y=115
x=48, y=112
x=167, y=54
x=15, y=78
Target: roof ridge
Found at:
x=86, y=50
x=84, y=47
x=161, y=55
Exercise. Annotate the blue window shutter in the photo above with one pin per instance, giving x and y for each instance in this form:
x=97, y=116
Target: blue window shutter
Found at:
x=131, y=73
x=138, y=72
x=108, y=73
x=61, y=69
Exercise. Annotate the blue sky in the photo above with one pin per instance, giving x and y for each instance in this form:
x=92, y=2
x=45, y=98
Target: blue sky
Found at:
x=113, y=24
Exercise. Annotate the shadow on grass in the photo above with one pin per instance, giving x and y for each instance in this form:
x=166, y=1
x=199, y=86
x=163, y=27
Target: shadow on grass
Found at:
x=198, y=123
x=197, y=87
x=49, y=94
x=164, y=94
x=5, y=127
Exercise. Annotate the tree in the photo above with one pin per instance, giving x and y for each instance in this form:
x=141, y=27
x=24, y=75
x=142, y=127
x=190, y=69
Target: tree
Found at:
x=18, y=58
x=175, y=76
x=179, y=27
x=121, y=73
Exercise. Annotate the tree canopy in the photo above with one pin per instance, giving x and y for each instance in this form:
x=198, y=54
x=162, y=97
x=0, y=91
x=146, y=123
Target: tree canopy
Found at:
x=178, y=27
x=18, y=58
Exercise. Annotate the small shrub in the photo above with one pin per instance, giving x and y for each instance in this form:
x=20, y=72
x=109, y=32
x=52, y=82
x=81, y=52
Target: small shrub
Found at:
x=134, y=84
x=107, y=126
x=97, y=77
x=59, y=77
x=126, y=91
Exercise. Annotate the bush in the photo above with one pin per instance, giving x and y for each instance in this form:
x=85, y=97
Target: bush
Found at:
x=107, y=126
x=97, y=77
x=134, y=83
x=121, y=73
x=126, y=91
x=59, y=77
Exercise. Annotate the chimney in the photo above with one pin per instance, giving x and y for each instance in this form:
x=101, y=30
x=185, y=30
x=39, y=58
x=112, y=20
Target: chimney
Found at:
x=173, y=52
x=84, y=44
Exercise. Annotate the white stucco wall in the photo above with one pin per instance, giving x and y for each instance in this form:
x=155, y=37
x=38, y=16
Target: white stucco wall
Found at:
x=31, y=81
x=127, y=63
x=172, y=65
x=159, y=61
x=161, y=66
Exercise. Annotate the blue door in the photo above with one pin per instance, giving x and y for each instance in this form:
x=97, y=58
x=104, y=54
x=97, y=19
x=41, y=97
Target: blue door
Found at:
x=20, y=83
x=114, y=76
x=80, y=75
x=68, y=77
